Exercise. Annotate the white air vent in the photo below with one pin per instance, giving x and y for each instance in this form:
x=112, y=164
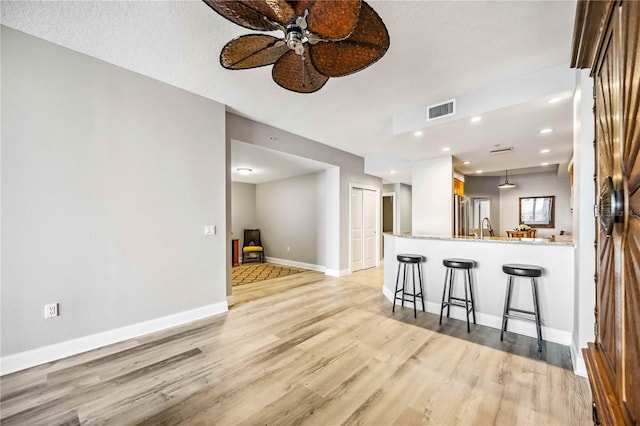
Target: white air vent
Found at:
x=441, y=110
x=501, y=150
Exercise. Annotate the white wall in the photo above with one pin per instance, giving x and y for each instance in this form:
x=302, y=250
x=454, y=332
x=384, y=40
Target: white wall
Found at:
x=243, y=209
x=555, y=287
x=432, y=196
x=533, y=185
x=108, y=178
x=583, y=221
x=290, y=215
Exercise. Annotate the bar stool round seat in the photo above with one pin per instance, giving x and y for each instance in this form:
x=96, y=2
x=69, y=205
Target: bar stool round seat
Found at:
x=458, y=263
x=516, y=270
x=410, y=258
x=414, y=263
x=452, y=265
x=519, y=270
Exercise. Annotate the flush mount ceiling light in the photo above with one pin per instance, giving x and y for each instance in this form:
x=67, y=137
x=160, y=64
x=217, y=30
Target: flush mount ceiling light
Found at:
x=392, y=172
x=244, y=170
x=321, y=39
x=466, y=163
x=554, y=100
x=478, y=171
x=476, y=119
x=506, y=184
x=418, y=133
x=544, y=164
x=545, y=151
x=446, y=148
x=545, y=131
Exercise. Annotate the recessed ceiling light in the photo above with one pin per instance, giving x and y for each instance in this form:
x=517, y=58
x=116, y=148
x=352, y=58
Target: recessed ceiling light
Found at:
x=393, y=172
x=418, y=133
x=554, y=100
x=478, y=171
x=244, y=170
x=446, y=148
x=466, y=162
x=545, y=151
x=476, y=119
x=545, y=131
x=544, y=164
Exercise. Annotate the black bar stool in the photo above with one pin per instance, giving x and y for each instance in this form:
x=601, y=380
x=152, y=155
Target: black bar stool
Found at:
x=449, y=279
x=411, y=260
x=522, y=271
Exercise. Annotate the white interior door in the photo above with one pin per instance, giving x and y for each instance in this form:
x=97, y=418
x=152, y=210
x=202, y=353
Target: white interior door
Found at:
x=357, y=232
x=369, y=227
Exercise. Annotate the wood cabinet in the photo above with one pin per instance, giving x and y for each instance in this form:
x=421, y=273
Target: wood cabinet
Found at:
x=458, y=187
x=607, y=40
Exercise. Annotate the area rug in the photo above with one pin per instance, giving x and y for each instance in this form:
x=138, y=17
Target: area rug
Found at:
x=252, y=272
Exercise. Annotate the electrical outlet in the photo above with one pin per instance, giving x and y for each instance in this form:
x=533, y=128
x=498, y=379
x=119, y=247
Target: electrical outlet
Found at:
x=210, y=230
x=51, y=310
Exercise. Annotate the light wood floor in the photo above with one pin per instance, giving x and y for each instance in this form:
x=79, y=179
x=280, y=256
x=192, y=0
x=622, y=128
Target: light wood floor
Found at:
x=256, y=290
x=324, y=353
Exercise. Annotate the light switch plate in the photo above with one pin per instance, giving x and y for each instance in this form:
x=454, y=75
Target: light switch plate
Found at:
x=210, y=230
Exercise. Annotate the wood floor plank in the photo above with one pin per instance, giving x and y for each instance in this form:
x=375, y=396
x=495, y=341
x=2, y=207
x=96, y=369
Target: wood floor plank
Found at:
x=308, y=349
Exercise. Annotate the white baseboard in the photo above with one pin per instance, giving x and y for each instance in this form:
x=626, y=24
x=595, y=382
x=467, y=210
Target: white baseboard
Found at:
x=33, y=357
x=579, y=367
x=337, y=273
x=525, y=328
x=296, y=264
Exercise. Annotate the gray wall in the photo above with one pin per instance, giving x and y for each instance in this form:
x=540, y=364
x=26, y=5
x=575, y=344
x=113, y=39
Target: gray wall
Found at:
x=351, y=170
x=404, y=207
x=486, y=187
x=243, y=209
x=505, y=202
x=290, y=214
x=108, y=178
x=533, y=185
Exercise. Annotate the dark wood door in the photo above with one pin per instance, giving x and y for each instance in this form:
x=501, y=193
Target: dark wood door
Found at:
x=630, y=167
x=608, y=41
x=609, y=247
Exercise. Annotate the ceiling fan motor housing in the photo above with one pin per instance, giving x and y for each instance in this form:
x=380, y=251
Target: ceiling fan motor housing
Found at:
x=293, y=38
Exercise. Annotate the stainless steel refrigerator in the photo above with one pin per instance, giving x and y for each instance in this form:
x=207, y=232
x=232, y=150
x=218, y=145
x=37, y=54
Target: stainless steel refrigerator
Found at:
x=461, y=209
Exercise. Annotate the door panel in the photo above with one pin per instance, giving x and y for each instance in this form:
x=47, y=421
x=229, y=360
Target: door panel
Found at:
x=369, y=226
x=609, y=257
x=357, y=233
x=630, y=35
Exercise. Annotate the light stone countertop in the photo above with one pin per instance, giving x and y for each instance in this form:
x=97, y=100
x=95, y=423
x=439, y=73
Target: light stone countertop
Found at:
x=537, y=241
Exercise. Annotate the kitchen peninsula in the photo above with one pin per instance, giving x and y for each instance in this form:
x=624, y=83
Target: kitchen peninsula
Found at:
x=555, y=287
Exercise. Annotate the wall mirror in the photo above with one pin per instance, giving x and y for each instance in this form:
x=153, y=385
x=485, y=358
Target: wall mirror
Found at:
x=538, y=212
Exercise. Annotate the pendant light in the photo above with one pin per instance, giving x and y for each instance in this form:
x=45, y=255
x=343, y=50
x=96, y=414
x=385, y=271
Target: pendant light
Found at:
x=506, y=184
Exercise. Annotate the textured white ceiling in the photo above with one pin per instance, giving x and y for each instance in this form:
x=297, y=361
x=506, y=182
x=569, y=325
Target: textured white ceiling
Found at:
x=439, y=50
x=268, y=165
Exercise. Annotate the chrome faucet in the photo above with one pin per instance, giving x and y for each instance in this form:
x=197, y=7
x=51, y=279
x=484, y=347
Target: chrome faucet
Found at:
x=489, y=227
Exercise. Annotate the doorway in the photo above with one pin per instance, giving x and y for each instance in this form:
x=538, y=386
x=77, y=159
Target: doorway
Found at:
x=364, y=224
x=388, y=212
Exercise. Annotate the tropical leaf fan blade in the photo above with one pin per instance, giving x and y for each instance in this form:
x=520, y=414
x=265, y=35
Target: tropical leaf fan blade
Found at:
x=252, y=51
x=294, y=73
x=252, y=13
x=366, y=45
x=331, y=20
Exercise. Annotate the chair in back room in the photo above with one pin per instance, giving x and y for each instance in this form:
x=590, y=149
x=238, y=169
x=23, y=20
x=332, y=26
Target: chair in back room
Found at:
x=252, y=248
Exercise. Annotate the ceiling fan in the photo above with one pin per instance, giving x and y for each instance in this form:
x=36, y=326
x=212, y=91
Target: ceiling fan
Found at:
x=322, y=39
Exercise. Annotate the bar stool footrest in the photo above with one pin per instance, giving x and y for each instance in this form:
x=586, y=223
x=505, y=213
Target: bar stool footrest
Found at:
x=459, y=304
x=520, y=317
